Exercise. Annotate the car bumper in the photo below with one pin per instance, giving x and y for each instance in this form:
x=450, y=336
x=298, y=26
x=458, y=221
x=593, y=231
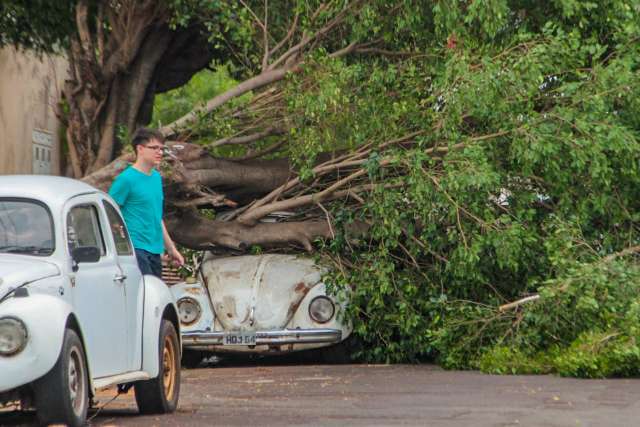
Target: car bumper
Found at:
x=270, y=338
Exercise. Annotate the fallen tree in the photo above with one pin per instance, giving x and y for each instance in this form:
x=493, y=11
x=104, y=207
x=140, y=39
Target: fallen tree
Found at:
x=450, y=159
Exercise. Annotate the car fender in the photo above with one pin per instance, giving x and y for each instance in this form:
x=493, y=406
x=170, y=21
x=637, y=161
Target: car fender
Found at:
x=45, y=317
x=301, y=318
x=158, y=303
x=198, y=293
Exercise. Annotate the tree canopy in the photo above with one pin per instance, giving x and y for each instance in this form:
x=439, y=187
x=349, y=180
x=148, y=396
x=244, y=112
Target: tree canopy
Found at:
x=39, y=24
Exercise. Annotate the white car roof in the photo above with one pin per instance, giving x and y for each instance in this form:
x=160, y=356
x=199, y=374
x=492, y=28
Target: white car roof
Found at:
x=52, y=190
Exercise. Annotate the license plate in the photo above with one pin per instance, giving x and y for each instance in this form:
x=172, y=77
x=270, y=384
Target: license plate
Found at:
x=239, y=338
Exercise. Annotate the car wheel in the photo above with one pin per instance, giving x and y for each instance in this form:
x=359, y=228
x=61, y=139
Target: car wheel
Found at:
x=62, y=395
x=191, y=358
x=160, y=395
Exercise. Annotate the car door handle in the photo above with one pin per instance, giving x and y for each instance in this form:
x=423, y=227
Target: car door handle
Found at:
x=120, y=278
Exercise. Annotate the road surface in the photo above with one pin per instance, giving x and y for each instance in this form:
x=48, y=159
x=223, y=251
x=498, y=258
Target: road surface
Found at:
x=376, y=395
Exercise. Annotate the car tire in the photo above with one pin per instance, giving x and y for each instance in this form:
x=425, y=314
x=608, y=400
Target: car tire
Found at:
x=160, y=395
x=191, y=359
x=62, y=395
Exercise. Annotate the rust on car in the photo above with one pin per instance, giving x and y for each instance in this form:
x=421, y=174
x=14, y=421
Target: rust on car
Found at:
x=301, y=288
x=195, y=290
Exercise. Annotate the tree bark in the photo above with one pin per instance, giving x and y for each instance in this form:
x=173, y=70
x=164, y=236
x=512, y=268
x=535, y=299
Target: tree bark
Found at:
x=194, y=231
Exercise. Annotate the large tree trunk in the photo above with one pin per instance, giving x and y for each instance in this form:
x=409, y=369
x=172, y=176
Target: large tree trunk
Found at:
x=194, y=231
x=115, y=74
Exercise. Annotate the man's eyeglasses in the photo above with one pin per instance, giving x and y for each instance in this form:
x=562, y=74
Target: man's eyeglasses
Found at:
x=154, y=147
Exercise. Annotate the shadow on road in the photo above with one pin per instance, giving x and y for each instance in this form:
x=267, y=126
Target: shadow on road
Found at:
x=233, y=361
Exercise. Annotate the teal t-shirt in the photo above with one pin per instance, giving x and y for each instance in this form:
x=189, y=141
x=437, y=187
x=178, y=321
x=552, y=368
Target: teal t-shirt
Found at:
x=140, y=199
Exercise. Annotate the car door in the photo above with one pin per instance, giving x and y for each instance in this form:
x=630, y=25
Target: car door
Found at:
x=132, y=281
x=98, y=292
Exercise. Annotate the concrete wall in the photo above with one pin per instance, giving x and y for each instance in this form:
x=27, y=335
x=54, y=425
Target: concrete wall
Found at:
x=30, y=88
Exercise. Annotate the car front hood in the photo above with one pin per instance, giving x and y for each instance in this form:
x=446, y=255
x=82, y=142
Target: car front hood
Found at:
x=251, y=293
x=16, y=270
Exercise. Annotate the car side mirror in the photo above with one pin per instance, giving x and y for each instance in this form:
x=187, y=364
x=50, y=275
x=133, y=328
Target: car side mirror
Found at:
x=85, y=254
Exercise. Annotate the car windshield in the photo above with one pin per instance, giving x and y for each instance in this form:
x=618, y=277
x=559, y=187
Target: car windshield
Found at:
x=25, y=228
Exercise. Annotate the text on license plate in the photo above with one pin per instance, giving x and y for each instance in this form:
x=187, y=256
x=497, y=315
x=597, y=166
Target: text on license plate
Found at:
x=239, y=338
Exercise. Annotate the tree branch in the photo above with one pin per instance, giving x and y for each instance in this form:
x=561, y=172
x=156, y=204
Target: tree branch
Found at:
x=306, y=39
x=100, y=34
x=254, y=155
x=247, y=139
x=286, y=38
x=518, y=303
x=244, y=87
x=82, y=12
x=254, y=214
x=628, y=251
x=265, y=58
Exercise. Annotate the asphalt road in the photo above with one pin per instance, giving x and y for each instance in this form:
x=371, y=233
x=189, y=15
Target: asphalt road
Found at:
x=377, y=395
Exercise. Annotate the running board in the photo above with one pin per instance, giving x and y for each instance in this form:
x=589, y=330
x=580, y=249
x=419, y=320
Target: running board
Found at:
x=104, y=382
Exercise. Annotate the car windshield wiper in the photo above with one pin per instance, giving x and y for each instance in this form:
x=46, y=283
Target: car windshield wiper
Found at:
x=24, y=250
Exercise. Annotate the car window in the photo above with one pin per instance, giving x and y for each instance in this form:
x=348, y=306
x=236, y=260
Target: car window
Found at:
x=83, y=228
x=26, y=227
x=119, y=231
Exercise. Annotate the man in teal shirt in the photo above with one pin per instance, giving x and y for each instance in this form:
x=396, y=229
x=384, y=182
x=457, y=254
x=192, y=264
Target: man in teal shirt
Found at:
x=138, y=192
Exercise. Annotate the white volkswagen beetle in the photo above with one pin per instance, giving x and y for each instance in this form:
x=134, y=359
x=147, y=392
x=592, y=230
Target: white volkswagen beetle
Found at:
x=260, y=304
x=76, y=315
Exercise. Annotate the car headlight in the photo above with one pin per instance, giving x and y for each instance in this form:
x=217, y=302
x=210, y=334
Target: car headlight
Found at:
x=321, y=309
x=188, y=310
x=13, y=336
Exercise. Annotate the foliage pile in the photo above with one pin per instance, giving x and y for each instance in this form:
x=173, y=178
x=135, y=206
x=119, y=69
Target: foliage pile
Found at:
x=524, y=179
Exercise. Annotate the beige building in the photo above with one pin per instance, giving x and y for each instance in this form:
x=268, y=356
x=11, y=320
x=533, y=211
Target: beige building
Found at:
x=30, y=87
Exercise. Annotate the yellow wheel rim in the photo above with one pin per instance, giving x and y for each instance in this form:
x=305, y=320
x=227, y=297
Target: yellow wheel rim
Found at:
x=169, y=367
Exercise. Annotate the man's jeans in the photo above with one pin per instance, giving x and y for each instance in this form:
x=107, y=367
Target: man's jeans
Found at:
x=149, y=263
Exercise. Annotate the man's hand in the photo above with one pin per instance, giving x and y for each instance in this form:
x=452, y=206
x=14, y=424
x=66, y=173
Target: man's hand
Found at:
x=175, y=256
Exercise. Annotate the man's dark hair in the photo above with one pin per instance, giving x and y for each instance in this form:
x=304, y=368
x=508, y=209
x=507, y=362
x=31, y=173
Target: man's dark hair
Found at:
x=144, y=135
